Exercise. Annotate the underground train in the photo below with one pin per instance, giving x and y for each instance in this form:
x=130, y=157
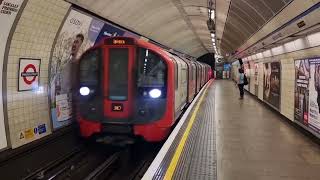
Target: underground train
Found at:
x=131, y=87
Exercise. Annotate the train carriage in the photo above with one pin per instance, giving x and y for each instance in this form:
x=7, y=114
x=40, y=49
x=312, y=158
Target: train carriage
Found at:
x=131, y=87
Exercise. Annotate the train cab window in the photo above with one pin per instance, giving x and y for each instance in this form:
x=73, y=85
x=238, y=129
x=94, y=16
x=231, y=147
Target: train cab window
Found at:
x=89, y=68
x=151, y=69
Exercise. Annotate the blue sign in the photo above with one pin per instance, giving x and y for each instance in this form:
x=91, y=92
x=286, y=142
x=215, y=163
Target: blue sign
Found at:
x=226, y=67
x=109, y=30
x=42, y=128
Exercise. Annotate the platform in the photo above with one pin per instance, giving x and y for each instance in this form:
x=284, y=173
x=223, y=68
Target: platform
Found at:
x=189, y=152
x=222, y=137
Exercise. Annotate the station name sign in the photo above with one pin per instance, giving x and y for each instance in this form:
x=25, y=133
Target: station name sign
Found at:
x=29, y=72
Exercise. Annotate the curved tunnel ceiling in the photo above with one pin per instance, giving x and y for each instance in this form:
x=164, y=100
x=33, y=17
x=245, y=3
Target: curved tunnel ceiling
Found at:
x=245, y=18
x=178, y=24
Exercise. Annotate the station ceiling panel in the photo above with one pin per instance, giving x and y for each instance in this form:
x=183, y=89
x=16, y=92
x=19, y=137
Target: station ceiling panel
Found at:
x=178, y=24
x=245, y=18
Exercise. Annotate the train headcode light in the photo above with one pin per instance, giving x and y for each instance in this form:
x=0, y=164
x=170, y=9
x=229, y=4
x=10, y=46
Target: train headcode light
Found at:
x=119, y=41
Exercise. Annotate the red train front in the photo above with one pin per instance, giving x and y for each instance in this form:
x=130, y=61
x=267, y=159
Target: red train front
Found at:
x=125, y=88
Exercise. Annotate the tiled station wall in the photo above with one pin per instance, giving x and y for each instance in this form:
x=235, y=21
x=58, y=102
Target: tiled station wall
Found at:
x=33, y=38
x=35, y=35
x=312, y=49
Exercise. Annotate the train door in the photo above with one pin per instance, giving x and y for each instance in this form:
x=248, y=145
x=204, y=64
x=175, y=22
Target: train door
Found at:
x=118, y=82
x=189, y=80
x=194, y=79
x=176, y=85
x=184, y=83
x=198, y=77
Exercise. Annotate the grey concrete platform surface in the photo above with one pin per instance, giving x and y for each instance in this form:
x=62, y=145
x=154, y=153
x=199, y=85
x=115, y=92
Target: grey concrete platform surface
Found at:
x=192, y=153
x=255, y=143
x=234, y=139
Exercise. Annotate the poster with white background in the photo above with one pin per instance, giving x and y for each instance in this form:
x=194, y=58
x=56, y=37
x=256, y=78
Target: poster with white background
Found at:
x=72, y=41
x=314, y=94
x=8, y=13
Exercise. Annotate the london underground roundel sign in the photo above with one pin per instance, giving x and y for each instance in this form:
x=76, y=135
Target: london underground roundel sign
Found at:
x=29, y=74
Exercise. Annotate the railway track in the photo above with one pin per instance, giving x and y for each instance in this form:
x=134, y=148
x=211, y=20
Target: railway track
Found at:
x=95, y=162
x=42, y=172
x=105, y=169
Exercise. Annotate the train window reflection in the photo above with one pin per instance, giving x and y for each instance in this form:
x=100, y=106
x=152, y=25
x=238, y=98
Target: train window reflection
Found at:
x=89, y=71
x=151, y=69
x=118, y=74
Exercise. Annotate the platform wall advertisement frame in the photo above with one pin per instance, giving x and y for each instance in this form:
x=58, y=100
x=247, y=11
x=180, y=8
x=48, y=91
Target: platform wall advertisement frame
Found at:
x=307, y=93
x=271, y=83
x=79, y=32
x=8, y=12
x=246, y=67
x=256, y=79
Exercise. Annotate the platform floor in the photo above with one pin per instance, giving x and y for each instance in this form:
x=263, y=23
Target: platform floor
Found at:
x=253, y=142
x=232, y=139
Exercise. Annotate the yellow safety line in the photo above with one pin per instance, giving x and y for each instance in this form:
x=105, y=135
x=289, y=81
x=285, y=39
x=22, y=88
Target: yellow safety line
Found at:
x=177, y=154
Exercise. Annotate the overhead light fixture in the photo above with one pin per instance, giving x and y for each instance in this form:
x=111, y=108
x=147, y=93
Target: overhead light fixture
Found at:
x=211, y=17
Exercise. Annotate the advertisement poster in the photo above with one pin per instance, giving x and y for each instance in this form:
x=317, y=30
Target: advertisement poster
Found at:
x=8, y=13
x=256, y=79
x=226, y=71
x=73, y=40
x=246, y=66
x=271, y=83
x=78, y=33
x=307, y=93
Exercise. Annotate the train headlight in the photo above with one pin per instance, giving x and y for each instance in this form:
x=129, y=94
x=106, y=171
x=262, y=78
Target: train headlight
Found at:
x=84, y=91
x=155, y=93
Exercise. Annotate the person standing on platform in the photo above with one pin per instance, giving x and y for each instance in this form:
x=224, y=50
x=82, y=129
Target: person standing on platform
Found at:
x=240, y=82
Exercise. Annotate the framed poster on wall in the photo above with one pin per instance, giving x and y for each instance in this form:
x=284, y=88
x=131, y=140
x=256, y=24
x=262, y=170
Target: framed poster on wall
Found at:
x=256, y=79
x=29, y=73
x=271, y=83
x=246, y=66
x=307, y=93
